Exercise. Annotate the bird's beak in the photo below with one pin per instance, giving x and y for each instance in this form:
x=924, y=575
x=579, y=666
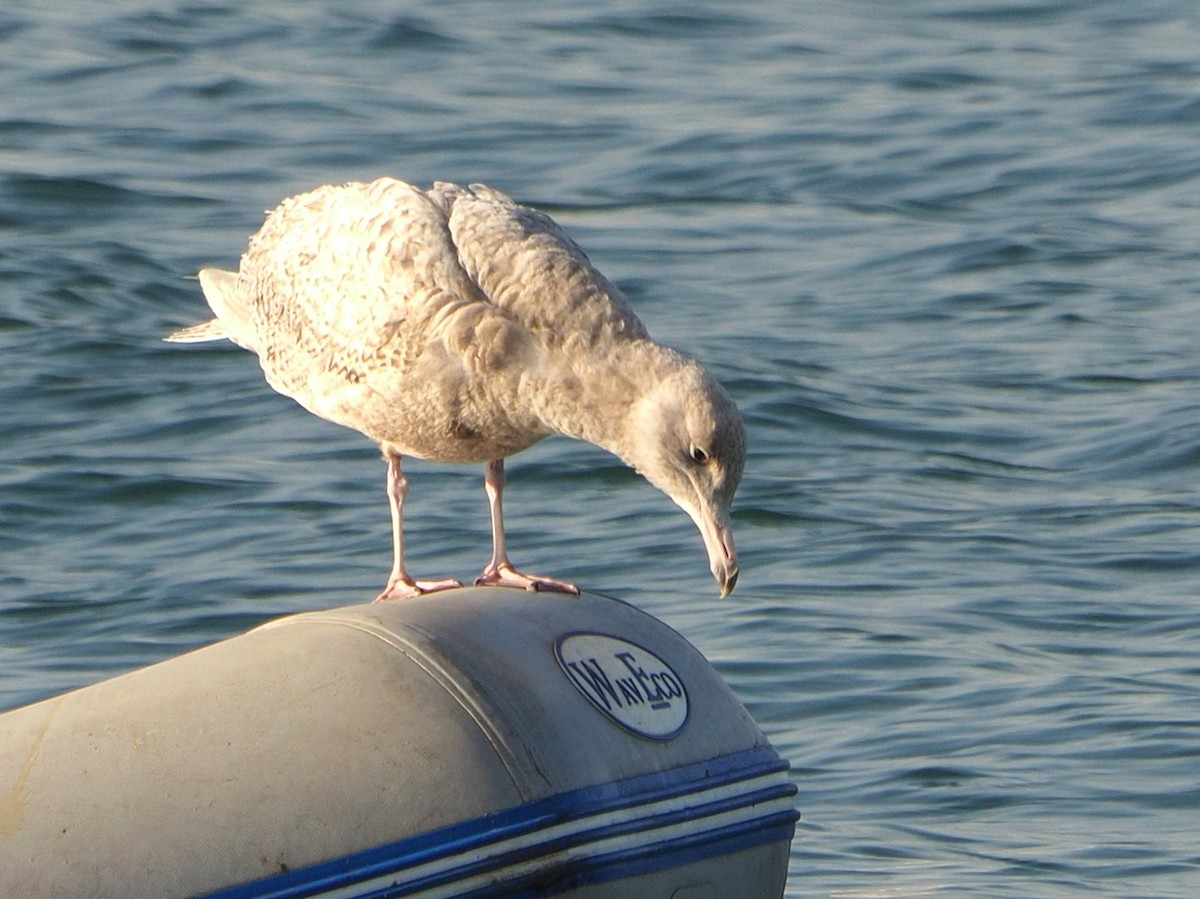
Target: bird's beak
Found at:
x=722, y=555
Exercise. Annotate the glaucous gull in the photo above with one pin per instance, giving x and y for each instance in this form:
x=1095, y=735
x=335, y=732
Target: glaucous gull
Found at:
x=456, y=325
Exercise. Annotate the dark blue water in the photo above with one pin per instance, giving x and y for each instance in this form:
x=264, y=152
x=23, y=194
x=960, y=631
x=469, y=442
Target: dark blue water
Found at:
x=944, y=254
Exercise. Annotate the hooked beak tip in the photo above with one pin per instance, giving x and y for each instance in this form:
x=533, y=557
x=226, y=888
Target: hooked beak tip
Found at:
x=722, y=554
x=727, y=580
x=725, y=564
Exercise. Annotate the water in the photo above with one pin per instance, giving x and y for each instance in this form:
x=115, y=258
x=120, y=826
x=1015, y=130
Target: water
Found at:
x=944, y=254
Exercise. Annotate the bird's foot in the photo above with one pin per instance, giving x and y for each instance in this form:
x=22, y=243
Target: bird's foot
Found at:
x=507, y=576
x=407, y=588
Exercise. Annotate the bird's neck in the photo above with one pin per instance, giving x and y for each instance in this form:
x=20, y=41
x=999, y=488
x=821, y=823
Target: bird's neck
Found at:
x=599, y=402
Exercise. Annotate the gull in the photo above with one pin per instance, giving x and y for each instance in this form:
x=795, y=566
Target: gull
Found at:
x=456, y=325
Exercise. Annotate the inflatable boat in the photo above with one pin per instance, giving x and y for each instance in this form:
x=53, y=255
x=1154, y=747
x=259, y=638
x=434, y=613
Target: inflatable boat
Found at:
x=476, y=742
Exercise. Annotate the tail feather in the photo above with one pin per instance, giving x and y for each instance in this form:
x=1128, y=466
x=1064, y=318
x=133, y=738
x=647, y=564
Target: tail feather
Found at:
x=233, y=319
x=212, y=330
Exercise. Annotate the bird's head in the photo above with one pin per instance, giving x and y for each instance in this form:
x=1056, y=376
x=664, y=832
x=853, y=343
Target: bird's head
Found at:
x=690, y=443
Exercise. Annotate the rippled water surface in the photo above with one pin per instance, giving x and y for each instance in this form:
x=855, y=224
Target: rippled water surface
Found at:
x=944, y=255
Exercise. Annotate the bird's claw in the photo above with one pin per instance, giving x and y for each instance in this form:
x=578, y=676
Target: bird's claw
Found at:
x=407, y=588
x=507, y=576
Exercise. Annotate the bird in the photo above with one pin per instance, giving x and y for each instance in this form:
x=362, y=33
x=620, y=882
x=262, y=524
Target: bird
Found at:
x=454, y=324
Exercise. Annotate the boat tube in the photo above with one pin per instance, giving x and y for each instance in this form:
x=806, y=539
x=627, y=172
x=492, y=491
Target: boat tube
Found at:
x=476, y=742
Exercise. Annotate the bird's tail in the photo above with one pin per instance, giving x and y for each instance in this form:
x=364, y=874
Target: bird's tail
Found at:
x=232, y=321
x=213, y=330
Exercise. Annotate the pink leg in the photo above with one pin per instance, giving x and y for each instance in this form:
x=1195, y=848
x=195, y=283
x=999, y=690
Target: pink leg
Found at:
x=401, y=585
x=499, y=571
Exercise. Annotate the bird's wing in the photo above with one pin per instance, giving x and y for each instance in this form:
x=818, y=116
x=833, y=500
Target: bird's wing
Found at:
x=525, y=264
x=362, y=312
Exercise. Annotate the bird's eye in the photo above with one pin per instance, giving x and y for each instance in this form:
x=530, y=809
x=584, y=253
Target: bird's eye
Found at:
x=699, y=455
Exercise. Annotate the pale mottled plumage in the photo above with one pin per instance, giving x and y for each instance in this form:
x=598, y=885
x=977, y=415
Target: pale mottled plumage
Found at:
x=456, y=325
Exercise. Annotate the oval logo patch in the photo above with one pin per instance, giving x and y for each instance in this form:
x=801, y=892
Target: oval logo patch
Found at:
x=629, y=684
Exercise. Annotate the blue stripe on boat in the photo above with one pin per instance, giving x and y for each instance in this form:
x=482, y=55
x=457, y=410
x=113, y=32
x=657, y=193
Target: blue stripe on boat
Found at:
x=381, y=872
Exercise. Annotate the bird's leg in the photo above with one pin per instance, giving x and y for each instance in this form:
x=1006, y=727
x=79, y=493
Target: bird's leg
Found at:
x=401, y=585
x=499, y=571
